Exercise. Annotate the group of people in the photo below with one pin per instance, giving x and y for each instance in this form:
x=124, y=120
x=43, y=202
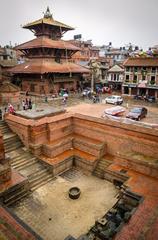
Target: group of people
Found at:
x=27, y=104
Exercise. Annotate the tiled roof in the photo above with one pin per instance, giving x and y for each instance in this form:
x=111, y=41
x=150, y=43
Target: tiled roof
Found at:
x=47, y=43
x=41, y=66
x=49, y=21
x=141, y=61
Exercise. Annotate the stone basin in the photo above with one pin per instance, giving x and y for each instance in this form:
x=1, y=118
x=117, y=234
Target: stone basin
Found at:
x=74, y=193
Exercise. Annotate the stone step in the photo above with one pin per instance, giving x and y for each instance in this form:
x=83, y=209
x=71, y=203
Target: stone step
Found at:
x=39, y=177
x=2, y=123
x=13, y=143
x=40, y=183
x=17, y=198
x=34, y=174
x=12, y=148
x=4, y=127
x=21, y=156
x=25, y=165
x=99, y=173
x=104, y=164
x=5, y=131
x=114, y=175
x=10, y=141
x=22, y=161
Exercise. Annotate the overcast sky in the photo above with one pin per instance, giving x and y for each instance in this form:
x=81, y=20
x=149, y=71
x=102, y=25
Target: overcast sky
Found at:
x=103, y=21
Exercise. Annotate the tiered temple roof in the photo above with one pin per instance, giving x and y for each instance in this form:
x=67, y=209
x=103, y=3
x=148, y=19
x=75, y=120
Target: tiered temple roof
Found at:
x=49, y=20
x=48, y=38
x=42, y=66
x=44, y=42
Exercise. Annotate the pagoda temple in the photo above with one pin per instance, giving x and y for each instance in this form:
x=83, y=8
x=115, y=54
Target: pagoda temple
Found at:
x=48, y=66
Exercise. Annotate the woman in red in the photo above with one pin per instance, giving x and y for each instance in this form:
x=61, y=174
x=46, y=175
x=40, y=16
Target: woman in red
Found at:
x=11, y=109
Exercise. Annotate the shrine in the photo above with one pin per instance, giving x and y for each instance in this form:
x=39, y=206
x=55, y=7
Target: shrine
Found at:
x=48, y=65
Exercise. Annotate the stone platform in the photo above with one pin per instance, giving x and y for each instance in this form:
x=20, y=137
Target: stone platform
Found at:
x=39, y=112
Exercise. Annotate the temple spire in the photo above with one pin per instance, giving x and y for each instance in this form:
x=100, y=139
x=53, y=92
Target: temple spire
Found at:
x=48, y=14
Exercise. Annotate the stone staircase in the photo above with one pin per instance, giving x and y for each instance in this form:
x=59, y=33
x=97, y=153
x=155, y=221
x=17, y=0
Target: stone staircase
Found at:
x=12, y=142
x=102, y=171
x=102, y=165
x=40, y=178
x=116, y=177
x=4, y=127
x=15, y=194
x=23, y=160
x=25, y=163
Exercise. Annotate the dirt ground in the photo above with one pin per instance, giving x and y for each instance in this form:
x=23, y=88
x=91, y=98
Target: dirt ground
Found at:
x=53, y=215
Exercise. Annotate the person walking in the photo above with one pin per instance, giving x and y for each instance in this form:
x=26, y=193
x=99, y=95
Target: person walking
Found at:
x=64, y=100
x=23, y=104
x=30, y=104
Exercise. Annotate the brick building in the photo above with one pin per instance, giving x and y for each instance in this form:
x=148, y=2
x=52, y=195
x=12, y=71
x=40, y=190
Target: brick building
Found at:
x=86, y=53
x=141, y=76
x=7, y=61
x=49, y=65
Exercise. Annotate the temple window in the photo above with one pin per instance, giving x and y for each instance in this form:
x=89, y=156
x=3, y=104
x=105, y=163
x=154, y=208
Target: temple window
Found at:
x=152, y=81
x=143, y=77
x=127, y=78
x=153, y=69
x=135, y=79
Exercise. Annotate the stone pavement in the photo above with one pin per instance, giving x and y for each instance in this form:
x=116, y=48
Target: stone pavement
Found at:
x=53, y=215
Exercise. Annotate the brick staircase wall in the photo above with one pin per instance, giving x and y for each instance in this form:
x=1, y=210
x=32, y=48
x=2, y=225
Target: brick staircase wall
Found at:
x=50, y=137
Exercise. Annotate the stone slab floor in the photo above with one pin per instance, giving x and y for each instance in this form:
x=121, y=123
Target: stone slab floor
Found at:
x=53, y=215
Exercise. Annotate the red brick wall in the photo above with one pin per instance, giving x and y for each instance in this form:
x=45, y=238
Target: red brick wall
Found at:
x=127, y=142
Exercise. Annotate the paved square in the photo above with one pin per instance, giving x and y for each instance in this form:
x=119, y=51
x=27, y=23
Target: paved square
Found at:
x=53, y=215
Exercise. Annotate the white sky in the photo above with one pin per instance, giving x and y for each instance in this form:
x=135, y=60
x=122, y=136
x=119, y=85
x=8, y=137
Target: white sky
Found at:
x=103, y=21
